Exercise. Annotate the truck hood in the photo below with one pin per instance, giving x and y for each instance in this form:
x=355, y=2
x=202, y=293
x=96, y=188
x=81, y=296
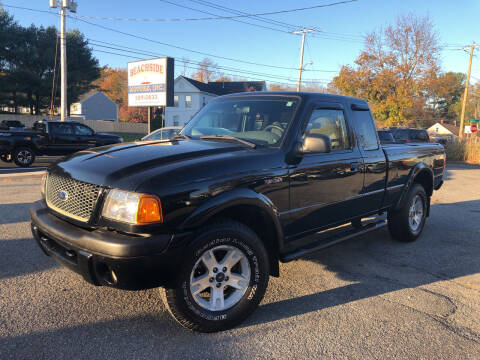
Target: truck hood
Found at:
x=122, y=165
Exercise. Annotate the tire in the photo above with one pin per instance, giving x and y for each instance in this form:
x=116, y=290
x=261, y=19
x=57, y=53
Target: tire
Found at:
x=6, y=158
x=237, y=253
x=406, y=224
x=23, y=156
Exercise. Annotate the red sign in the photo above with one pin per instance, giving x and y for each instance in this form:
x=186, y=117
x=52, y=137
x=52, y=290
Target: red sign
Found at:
x=473, y=128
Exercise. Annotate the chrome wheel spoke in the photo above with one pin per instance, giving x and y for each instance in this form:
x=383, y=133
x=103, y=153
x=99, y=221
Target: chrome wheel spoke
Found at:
x=217, y=298
x=208, y=259
x=199, y=284
x=237, y=281
x=231, y=258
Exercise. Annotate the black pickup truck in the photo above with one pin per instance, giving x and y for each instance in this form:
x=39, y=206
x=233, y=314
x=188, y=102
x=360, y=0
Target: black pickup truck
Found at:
x=252, y=179
x=50, y=138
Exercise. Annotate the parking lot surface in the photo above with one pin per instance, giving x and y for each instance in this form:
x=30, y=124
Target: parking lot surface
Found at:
x=370, y=297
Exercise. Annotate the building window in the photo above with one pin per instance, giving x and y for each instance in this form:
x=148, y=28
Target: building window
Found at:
x=188, y=101
x=175, y=120
x=175, y=100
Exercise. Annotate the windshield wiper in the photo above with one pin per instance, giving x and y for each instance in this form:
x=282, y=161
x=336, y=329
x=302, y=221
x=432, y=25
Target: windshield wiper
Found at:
x=228, y=137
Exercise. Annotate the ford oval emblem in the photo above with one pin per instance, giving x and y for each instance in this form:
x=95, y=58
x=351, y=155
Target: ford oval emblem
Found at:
x=62, y=195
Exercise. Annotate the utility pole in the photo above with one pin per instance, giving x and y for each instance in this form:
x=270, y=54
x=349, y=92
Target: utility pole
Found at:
x=465, y=94
x=300, y=69
x=72, y=6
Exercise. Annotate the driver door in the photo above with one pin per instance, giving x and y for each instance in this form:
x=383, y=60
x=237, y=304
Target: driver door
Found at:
x=85, y=137
x=324, y=186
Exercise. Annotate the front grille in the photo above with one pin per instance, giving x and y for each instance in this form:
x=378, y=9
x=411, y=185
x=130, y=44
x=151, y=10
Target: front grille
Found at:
x=72, y=198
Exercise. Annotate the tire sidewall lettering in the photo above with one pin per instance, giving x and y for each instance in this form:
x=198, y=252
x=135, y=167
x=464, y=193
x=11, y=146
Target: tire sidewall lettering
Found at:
x=249, y=294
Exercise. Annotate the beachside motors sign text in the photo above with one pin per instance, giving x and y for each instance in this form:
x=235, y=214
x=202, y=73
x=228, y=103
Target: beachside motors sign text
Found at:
x=148, y=82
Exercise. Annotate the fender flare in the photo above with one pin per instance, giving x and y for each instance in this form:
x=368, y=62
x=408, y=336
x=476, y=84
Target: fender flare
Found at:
x=416, y=170
x=234, y=198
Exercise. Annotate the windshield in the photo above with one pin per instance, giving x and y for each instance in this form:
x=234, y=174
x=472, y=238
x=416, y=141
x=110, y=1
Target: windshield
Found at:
x=258, y=120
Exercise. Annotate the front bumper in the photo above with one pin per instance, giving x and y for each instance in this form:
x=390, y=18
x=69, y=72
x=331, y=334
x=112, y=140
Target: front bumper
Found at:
x=106, y=257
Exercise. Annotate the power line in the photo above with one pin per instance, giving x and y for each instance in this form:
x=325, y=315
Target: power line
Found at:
x=136, y=57
x=130, y=50
x=186, y=49
x=218, y=17
x=159, y=42
x=289, y=27
x=236, y=20
x=233, y=11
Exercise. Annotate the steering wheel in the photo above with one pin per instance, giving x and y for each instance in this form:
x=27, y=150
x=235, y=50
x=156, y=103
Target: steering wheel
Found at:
x=273, y=126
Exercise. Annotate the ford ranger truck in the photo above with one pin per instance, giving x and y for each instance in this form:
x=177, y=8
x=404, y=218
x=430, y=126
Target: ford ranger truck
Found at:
x=252, y=180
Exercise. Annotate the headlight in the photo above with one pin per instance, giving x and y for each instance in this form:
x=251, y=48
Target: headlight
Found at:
x=43, y=184
x=132, y=208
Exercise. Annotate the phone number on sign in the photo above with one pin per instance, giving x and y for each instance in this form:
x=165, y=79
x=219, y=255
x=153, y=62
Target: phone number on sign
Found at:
x=146, y=97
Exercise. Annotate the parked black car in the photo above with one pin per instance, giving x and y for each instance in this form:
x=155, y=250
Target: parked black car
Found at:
x=402, y=135
x=50, y=138
x=11, y=125
x=208, y=216
x=386, y=137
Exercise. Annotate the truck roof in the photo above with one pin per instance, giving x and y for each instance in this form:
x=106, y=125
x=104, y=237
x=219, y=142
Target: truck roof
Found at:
x=44, y=121
x=302, y=94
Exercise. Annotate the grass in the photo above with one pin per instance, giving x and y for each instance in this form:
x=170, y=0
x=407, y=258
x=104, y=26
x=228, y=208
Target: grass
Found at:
x=466, y=150
x=127, y=137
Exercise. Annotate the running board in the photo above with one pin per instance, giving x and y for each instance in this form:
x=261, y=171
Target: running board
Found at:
x=335, y=239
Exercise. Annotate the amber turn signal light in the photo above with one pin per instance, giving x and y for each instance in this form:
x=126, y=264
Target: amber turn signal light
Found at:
x=149, y=210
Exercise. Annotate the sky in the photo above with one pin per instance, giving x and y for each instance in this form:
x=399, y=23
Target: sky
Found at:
x=263, y=54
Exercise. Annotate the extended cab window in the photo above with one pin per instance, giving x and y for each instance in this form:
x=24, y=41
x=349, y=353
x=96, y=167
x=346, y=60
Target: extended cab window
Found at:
x=366, y=132
x=331, y=123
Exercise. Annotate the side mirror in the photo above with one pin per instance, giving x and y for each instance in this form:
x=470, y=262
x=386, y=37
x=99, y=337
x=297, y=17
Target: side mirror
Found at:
x=316, y=143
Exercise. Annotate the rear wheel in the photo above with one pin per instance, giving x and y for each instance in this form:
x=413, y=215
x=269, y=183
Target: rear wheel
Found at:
x=222, y=281
x=406, y=224
x=23, y=156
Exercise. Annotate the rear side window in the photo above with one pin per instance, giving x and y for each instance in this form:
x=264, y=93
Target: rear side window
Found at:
x=401, y=134
x=331, y=123
x=366, y=131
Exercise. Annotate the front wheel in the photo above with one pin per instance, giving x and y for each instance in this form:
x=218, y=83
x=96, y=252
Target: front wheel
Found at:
x=23, y=156
x=222, y=281
x=406, y=224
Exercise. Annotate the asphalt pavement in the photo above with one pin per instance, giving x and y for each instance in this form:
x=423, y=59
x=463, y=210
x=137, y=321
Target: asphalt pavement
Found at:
x=40, y=164
x=370, y=297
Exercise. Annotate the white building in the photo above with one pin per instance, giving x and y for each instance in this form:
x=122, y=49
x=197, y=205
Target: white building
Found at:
x=191, y=95
x=445, y=131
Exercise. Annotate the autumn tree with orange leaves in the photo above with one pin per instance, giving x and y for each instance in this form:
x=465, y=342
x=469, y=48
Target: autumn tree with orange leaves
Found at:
x=395, y=72
x=114, y=83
